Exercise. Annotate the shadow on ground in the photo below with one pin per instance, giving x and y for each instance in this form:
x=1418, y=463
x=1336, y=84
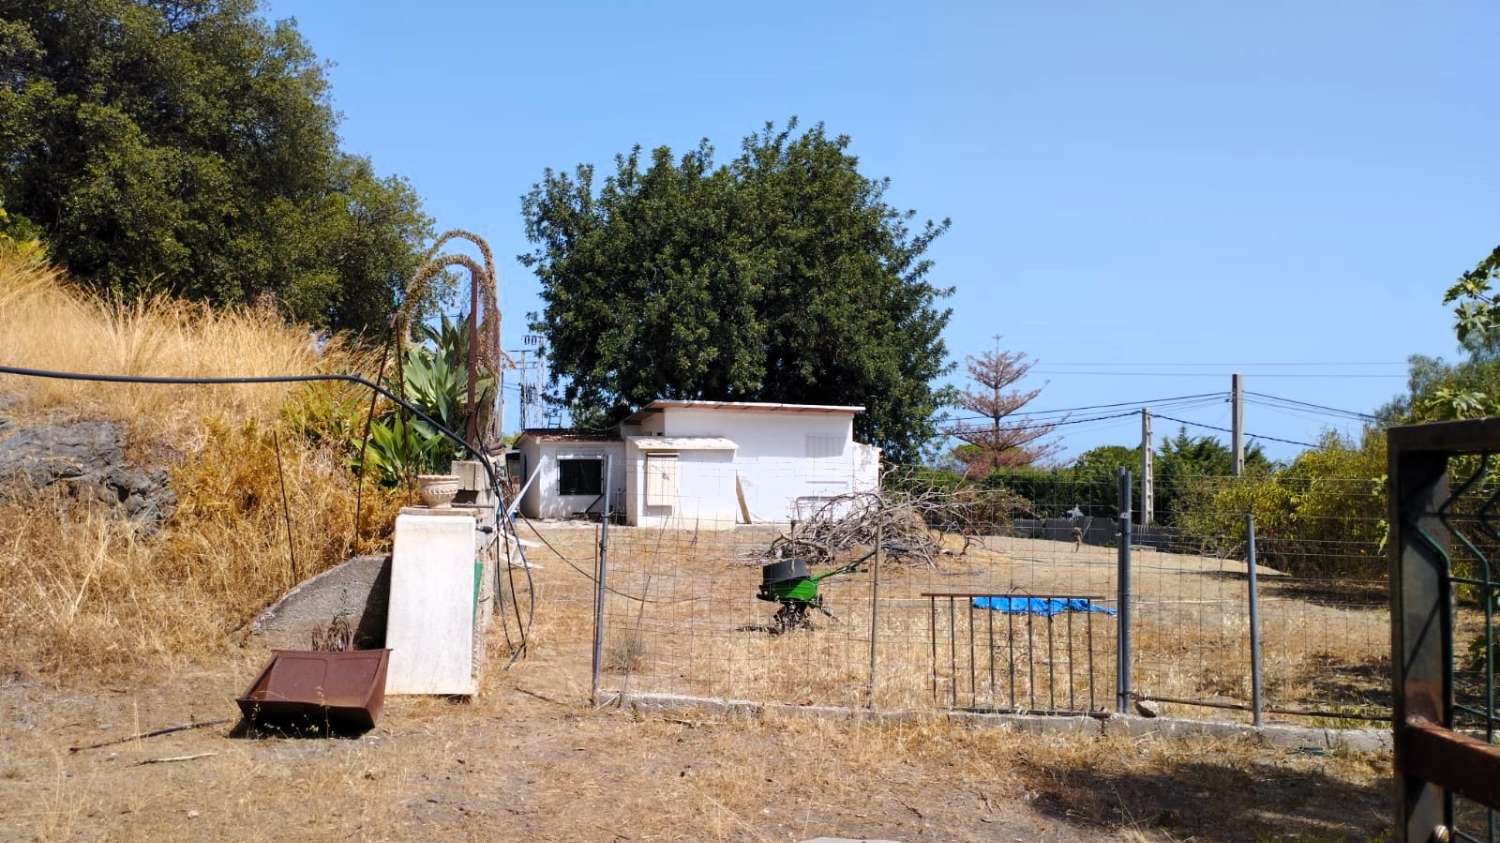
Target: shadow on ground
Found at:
x=1250, y=801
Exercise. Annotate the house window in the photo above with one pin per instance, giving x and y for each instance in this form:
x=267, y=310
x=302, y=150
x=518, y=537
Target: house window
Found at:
x=821, y=445
x=580, y=477
x=661, y=479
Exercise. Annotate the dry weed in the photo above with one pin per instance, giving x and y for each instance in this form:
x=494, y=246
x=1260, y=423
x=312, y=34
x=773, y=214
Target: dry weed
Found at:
x=49, y=325
x=80, y=590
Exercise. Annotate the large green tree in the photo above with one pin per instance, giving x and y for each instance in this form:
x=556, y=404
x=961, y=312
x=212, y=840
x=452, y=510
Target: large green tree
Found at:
x=189, y=146
x=782, y=275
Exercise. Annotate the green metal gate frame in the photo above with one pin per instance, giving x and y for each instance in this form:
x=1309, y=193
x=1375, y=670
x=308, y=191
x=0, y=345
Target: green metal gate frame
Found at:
x=1437, y=754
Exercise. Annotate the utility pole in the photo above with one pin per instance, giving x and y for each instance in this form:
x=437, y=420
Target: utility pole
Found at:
x=1237, y=400
x=521, y=376
x=1148, y=478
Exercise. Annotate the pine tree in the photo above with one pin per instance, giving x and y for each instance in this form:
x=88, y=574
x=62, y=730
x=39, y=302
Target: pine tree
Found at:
x=995, y=442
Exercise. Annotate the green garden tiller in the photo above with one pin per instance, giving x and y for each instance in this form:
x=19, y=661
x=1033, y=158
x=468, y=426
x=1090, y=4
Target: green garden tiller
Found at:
x=790, y=583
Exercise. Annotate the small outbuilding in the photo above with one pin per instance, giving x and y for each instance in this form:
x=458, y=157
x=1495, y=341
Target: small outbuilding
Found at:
x=699, y=464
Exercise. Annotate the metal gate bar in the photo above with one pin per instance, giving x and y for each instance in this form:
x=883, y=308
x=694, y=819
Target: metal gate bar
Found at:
x=1434, y=760
x=1068, y=660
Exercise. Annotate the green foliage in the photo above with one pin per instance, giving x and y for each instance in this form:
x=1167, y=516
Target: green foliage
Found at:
x=1091, y=483
x=400, y=449
x=1323, y=515
x=780, y=276
x=1477, y=316
x=1184, y=461
x=434, y=378
x=20, y=237
x=191, y=147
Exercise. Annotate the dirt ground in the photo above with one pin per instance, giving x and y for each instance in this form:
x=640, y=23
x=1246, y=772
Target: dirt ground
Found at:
x=529, y=759
x=523, y=764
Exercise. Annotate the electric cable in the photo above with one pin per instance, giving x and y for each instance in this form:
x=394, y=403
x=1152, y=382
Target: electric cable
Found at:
x=229, y=380
x=1229, y=430
x=594, y=579
x=1311, y=405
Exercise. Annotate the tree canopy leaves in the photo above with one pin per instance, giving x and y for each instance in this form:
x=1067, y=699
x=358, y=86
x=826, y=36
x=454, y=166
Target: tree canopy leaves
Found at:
x=780, y=276
x=188, y=146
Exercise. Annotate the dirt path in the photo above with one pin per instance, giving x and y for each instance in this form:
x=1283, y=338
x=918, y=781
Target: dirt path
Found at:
x=528, y=761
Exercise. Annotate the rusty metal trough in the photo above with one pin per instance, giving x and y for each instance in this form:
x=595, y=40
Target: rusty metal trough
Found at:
x=305, y=689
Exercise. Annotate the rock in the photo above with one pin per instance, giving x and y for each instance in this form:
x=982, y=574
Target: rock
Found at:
x=359, y=586
x=89, y=459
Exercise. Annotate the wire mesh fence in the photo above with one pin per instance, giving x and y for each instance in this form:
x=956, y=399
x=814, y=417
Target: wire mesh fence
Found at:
x=1008, y=598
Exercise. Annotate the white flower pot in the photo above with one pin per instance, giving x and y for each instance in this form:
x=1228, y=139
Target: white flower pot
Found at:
x=437, y=490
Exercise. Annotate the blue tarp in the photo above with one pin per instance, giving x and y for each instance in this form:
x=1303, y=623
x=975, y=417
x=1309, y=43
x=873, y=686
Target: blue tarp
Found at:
x=1044, y=606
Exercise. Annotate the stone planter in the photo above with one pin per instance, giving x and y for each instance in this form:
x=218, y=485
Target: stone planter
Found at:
x=437, y=490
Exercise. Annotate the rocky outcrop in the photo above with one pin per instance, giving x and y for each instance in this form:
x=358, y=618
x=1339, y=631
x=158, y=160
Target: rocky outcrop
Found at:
x=88, y=459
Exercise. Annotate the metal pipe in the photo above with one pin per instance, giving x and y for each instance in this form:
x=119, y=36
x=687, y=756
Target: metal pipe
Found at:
x=875, y=605
x=1071, y=679
x=1010, y=642
x=1030, y=663
x=990, y=621
x=932, y=628
x=1122, y=669
x=599, y=576
x=1255, y=701
x=973, y=682
x=1291, y=712
x=1088, y=619
x=952, y=654
x=1051, y=671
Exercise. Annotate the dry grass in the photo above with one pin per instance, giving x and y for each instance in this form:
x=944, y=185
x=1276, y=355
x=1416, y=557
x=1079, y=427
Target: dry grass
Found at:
x=517, y=764
x=82, y=593
x=49, y=325
x=80, y=590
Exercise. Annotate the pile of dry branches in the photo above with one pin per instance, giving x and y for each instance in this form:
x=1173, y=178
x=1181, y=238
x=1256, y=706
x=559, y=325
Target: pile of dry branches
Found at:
x=910, y=524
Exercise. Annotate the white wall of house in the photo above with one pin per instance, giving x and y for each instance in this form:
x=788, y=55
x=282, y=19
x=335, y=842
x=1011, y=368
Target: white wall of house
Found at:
x=783, y=465
x=543, y=498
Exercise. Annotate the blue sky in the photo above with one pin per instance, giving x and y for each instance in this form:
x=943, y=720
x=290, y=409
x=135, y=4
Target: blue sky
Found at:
x=1163, y=196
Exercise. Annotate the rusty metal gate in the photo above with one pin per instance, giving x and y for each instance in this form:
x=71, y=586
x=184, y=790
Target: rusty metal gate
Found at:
x=1445, y=530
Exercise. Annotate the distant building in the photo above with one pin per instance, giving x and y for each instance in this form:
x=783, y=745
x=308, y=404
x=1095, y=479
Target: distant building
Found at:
x=698, y=464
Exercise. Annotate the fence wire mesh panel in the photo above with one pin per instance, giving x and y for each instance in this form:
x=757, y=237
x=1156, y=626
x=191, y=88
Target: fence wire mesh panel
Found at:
x=1004, y=596
x=1323, y=609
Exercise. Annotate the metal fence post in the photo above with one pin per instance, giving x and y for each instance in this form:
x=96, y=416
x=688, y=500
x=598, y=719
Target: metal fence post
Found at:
x=875, y=603
x=599, y=574
x=1122, y=666
x=1254, y=620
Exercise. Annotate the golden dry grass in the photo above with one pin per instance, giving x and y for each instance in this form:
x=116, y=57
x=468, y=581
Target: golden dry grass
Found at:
x=81, y=591
x=49, y=325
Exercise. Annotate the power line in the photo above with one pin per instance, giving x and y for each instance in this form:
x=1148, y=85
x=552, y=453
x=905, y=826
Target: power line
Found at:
x=1227, y=430
x=1355, y=413
x=1323, y=376
x=1153, y=402
x=1232, y=365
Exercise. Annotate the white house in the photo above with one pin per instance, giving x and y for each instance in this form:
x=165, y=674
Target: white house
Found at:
x=563, y=471
x=701, y=464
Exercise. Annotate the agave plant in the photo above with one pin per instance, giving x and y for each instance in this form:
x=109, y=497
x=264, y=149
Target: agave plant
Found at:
x=400, y=449
x=434, y=378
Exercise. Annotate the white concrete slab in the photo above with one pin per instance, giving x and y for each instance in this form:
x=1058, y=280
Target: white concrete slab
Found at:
x=430, y=623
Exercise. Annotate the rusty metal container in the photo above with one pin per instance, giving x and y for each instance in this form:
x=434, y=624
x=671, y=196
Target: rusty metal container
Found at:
x=308, y=689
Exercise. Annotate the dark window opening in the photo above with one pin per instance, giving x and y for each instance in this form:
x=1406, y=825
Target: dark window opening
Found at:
x=580, y=477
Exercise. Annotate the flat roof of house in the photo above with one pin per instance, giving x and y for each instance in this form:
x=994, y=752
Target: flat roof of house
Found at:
x=566, y=434
x=661, y=404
